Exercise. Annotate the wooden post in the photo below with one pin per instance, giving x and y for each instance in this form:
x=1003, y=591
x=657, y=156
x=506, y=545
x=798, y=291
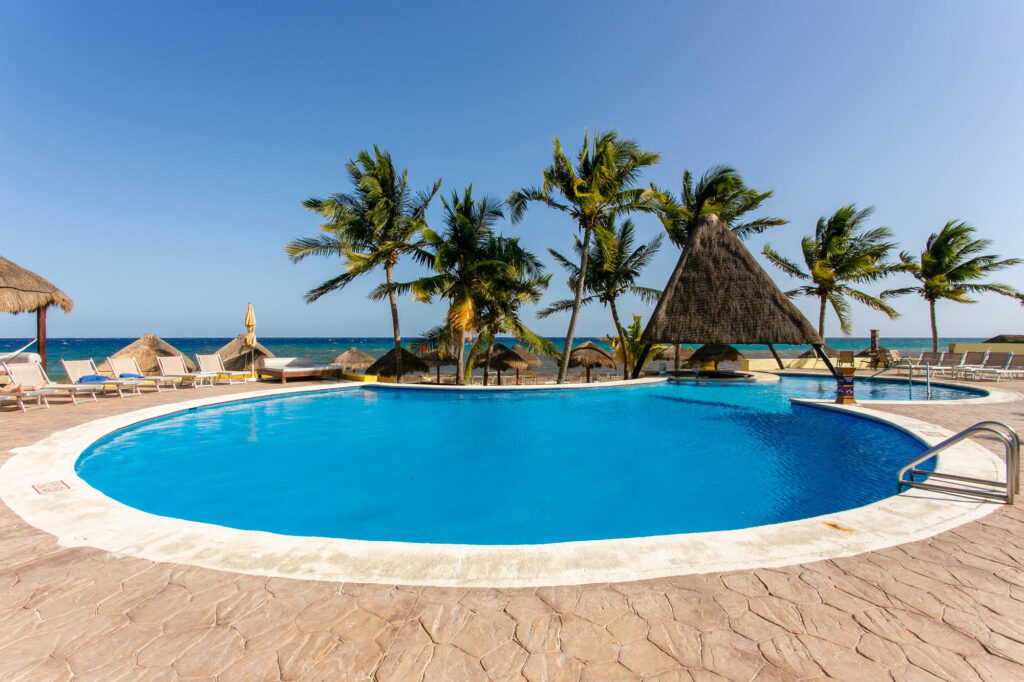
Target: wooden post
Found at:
x=775, y=354
x=588, y=374
x=828, y=363
x=41, y=334
x=675, y=365
x=640, y=360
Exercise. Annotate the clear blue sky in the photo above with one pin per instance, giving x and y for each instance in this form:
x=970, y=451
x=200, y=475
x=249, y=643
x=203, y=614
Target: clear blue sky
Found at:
x=153, y=155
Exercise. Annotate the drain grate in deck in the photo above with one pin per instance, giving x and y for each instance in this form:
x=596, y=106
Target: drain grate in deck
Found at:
x=51, y=487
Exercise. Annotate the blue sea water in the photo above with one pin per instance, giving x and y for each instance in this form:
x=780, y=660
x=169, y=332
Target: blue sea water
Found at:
x=323, y=349
x=505, y=467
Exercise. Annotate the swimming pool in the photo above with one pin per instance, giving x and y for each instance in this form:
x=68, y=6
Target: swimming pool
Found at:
x=504, y=467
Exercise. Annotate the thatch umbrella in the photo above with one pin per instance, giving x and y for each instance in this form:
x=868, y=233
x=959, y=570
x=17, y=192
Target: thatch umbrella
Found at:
x=715, y=352
x=1006, y=338
x=675, y=354
x=23, y=291
x=238, y=355
x=385, y=365
x=589, y=355
x=353, y=358
x=827, y=350
x=719, y=294
x=146, y=350
x=434, y=358
x=504, y=358
x=530, y=358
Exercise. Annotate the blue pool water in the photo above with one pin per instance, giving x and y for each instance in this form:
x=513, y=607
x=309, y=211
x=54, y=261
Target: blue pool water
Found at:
x=505, y=467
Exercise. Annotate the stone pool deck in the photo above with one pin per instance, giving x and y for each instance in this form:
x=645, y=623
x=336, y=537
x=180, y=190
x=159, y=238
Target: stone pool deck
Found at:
x=949, y=608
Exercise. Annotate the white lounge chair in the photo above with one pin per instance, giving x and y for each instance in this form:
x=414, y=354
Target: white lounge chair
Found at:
x=32, y=374
x=926, y=360
x=82, y=372
x=973, y=360
x=214, y=364
x=948, y=364
x=128, y=368
x=1014, y=369
x=994, y=363
x=173, y=367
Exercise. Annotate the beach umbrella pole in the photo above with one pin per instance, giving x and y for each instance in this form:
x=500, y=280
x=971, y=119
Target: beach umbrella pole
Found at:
x=775, y=354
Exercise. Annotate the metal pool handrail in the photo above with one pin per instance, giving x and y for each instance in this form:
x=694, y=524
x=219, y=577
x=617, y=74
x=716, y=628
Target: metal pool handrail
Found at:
x=1006, y=435
x=910, y=378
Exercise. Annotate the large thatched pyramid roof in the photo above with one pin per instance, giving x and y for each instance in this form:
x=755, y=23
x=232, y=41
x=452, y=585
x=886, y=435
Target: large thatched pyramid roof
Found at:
x=385, y=365
x=238, y=356
x=23, y=291
x=719, y=294
x=146, y=349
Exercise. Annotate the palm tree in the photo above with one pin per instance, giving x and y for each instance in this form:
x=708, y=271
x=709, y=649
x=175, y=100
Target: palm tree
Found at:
x=464, y=258
x=721, y=192
x=949, y=267
x=629, y=342
x=842, y=251
x=613, y=267
x=600, y=185
x=368, y=229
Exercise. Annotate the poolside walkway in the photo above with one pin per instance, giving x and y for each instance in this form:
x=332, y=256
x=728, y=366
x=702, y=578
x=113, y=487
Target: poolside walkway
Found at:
x=950, y=608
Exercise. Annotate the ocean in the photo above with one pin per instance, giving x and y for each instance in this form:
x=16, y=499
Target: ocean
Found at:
x=324, y=349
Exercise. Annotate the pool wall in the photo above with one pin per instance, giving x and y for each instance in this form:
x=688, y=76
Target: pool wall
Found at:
x=83, y=516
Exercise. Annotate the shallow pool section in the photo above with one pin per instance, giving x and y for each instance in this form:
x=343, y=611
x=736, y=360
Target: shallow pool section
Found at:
x=503, y=467
x=891, y=388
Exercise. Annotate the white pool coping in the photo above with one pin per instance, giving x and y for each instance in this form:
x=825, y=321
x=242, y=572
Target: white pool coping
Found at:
x=81, y=516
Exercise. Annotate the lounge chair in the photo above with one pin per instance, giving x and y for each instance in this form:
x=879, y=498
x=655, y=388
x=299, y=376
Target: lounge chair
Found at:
x=284, y=369
x=994, y=362
x=973, y=360
x=84, y=372
x=926, y=360
x=949, y=363
x=173, y=367
x=14, y=391
x=1014, y=369
x=215, y=365
x=31, y=374
x=128, y=368
x=846, y=358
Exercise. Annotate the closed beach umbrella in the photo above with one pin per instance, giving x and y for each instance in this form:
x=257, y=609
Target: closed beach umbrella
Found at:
x=385, y=365
x=250, y=333
x=237, y=354
x=715, y=352
x=146, y=350
x=353, y=358
x=588, y=355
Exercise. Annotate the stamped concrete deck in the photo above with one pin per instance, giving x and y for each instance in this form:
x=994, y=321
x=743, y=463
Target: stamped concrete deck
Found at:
x=950, y=607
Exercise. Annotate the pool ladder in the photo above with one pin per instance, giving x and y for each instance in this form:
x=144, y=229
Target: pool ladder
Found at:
x=992, y=490
x=910, y=379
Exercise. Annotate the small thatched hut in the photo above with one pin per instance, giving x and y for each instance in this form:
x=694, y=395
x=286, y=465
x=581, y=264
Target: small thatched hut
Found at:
x=385, y=365
x=436, y=359
x=23, y=291
x=675, y=354
x=719, y=294
x=715, y=352
x=145, y=350
x=238, y=355
x=531, y=359
x=353, y=358
x=1006, y=338
x=503, y=359
x=589, y=355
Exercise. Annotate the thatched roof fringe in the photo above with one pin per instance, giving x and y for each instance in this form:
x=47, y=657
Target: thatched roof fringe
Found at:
x=385, y=365
x=589, y=354
x=353, y=358
x=719, y=294
x=23, y=291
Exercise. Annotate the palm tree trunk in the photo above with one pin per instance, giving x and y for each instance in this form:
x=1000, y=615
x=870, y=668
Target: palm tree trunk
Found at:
x=821, y=319
x=675, y=363
x=487, y=361
x=459, y=337
x=627, y=362
x=935, y=329
x=394, y=319
x=563, y=366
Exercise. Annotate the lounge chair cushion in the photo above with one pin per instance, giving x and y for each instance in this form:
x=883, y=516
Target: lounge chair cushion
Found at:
x=92, y=378
x=130, y=376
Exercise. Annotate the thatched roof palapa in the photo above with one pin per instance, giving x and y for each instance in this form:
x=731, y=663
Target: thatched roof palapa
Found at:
x=434, y=358
x=385, y=365
x=669, y=354
x=715, y=352
x=531, y=359
x=1006, y=338
x=829, y=351
x=589, y=355
x=503, y=359
x=23, y=291
x=146, y=350
x=353, y=358
x=719, y=294
x=238, y=355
